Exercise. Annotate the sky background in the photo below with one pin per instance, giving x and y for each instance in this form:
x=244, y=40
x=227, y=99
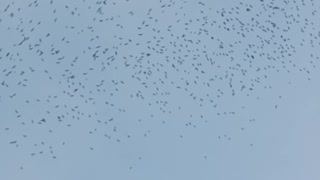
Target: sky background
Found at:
x=159, y=89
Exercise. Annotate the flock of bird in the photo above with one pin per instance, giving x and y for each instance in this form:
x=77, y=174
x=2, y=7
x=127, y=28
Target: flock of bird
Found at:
x=115, y=71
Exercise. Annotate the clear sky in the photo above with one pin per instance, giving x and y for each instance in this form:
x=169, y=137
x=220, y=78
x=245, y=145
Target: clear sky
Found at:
x=159, y=90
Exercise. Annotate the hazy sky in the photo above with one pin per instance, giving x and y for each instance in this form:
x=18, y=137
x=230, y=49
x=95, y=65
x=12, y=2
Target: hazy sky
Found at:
x=159, y=90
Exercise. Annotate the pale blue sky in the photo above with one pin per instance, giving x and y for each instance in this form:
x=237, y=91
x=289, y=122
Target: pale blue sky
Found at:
x=140, y=90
